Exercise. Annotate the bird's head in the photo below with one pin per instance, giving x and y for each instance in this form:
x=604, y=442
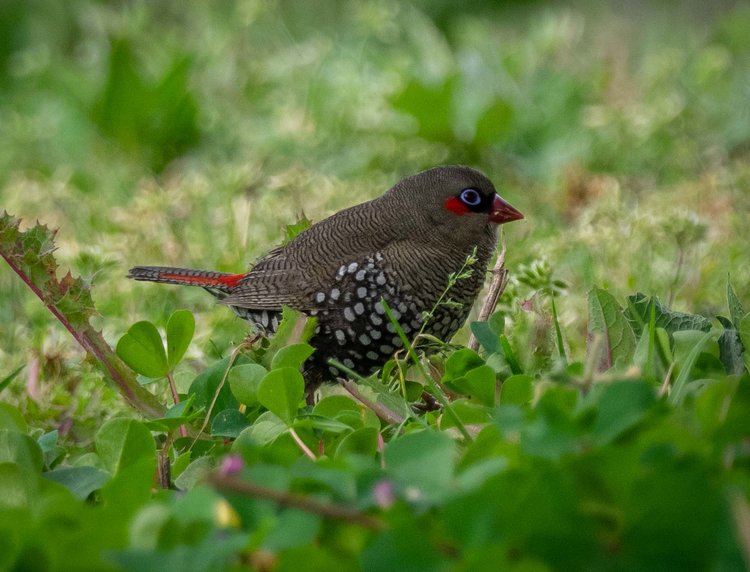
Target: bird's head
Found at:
x=457, y=200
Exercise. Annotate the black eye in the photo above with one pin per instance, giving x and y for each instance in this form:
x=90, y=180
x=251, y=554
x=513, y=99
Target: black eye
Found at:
x=470, y=197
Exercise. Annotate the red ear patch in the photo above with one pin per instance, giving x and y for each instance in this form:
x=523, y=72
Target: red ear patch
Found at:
x=456, y=206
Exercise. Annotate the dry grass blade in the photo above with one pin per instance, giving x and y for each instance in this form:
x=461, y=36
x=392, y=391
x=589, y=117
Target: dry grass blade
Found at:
x=497, y=287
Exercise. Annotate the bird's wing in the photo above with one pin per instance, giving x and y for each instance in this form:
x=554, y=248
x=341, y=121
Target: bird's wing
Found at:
x=275, y=281
x=293, y=274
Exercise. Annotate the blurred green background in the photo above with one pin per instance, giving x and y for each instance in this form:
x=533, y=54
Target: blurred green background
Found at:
x=190, y=133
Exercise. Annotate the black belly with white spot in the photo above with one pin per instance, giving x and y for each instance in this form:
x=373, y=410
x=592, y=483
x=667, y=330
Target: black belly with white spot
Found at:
x=353, y=327
x=263, y=322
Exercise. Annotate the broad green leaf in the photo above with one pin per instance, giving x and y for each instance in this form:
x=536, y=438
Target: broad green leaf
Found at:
x=424, y=459
x=684, y=342
x=294, y=328
x=363, y=441
x=143, y=350
x=402, y=549
x=468, y=412
x=180, y=410
x=18, y=486
x=551, y=431
x=293, y=527
x=731, y=348
x=517, y=390
x=180, y=464
x=621, y=405
x=711, y=404
x=131, y=487
x=314, y=556
x=266, y=428
x=205, y=386
x=281, y=392
x=199, y=504
x=606, y=319
x=497, y=322
x=459, y=362
x=414, y=390
x=211, y=552
x=147, y=528
x=194, y=473
x=499, y=364
x=50, y=449
x=486, y=336
x=21, y=450
x=479, y=383
x=228, y=423
x=123, y=442
x=87, y=460
x=165, y=424
x=338, y=478
x=244, y=381
x=143, y=380
x=345, y=410
x=639, y=310
x=333, y=405
x=291, y=356
x=81, y=481
x=180, y=330
x=312, y=421
x=11, y=418
x=477, y=473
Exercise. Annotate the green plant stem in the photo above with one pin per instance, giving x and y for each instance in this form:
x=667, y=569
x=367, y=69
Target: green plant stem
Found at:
x=232, y=359
x=176, y=399
x=510, y=357
x=452, y=279
x=301, y=444
x=558, y=330
x=434, y=387
x=680, y=384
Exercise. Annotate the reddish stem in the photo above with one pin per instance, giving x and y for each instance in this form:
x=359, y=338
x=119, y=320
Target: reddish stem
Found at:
x=93, y=343
x=176, y=400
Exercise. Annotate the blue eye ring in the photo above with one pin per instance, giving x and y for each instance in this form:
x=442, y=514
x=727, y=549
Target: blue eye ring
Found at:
x=470, y=197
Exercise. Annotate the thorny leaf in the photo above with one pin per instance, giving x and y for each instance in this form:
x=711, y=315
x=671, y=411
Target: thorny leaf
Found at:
x=30, y=254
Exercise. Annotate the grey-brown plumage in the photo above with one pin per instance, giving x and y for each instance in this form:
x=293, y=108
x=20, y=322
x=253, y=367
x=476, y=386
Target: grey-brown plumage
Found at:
x=400, y=247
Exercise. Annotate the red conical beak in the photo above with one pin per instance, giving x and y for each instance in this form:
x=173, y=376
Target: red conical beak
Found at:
x=502, y=212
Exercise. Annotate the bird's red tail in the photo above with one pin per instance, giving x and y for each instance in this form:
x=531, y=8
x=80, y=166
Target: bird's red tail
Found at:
x=220, y=281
